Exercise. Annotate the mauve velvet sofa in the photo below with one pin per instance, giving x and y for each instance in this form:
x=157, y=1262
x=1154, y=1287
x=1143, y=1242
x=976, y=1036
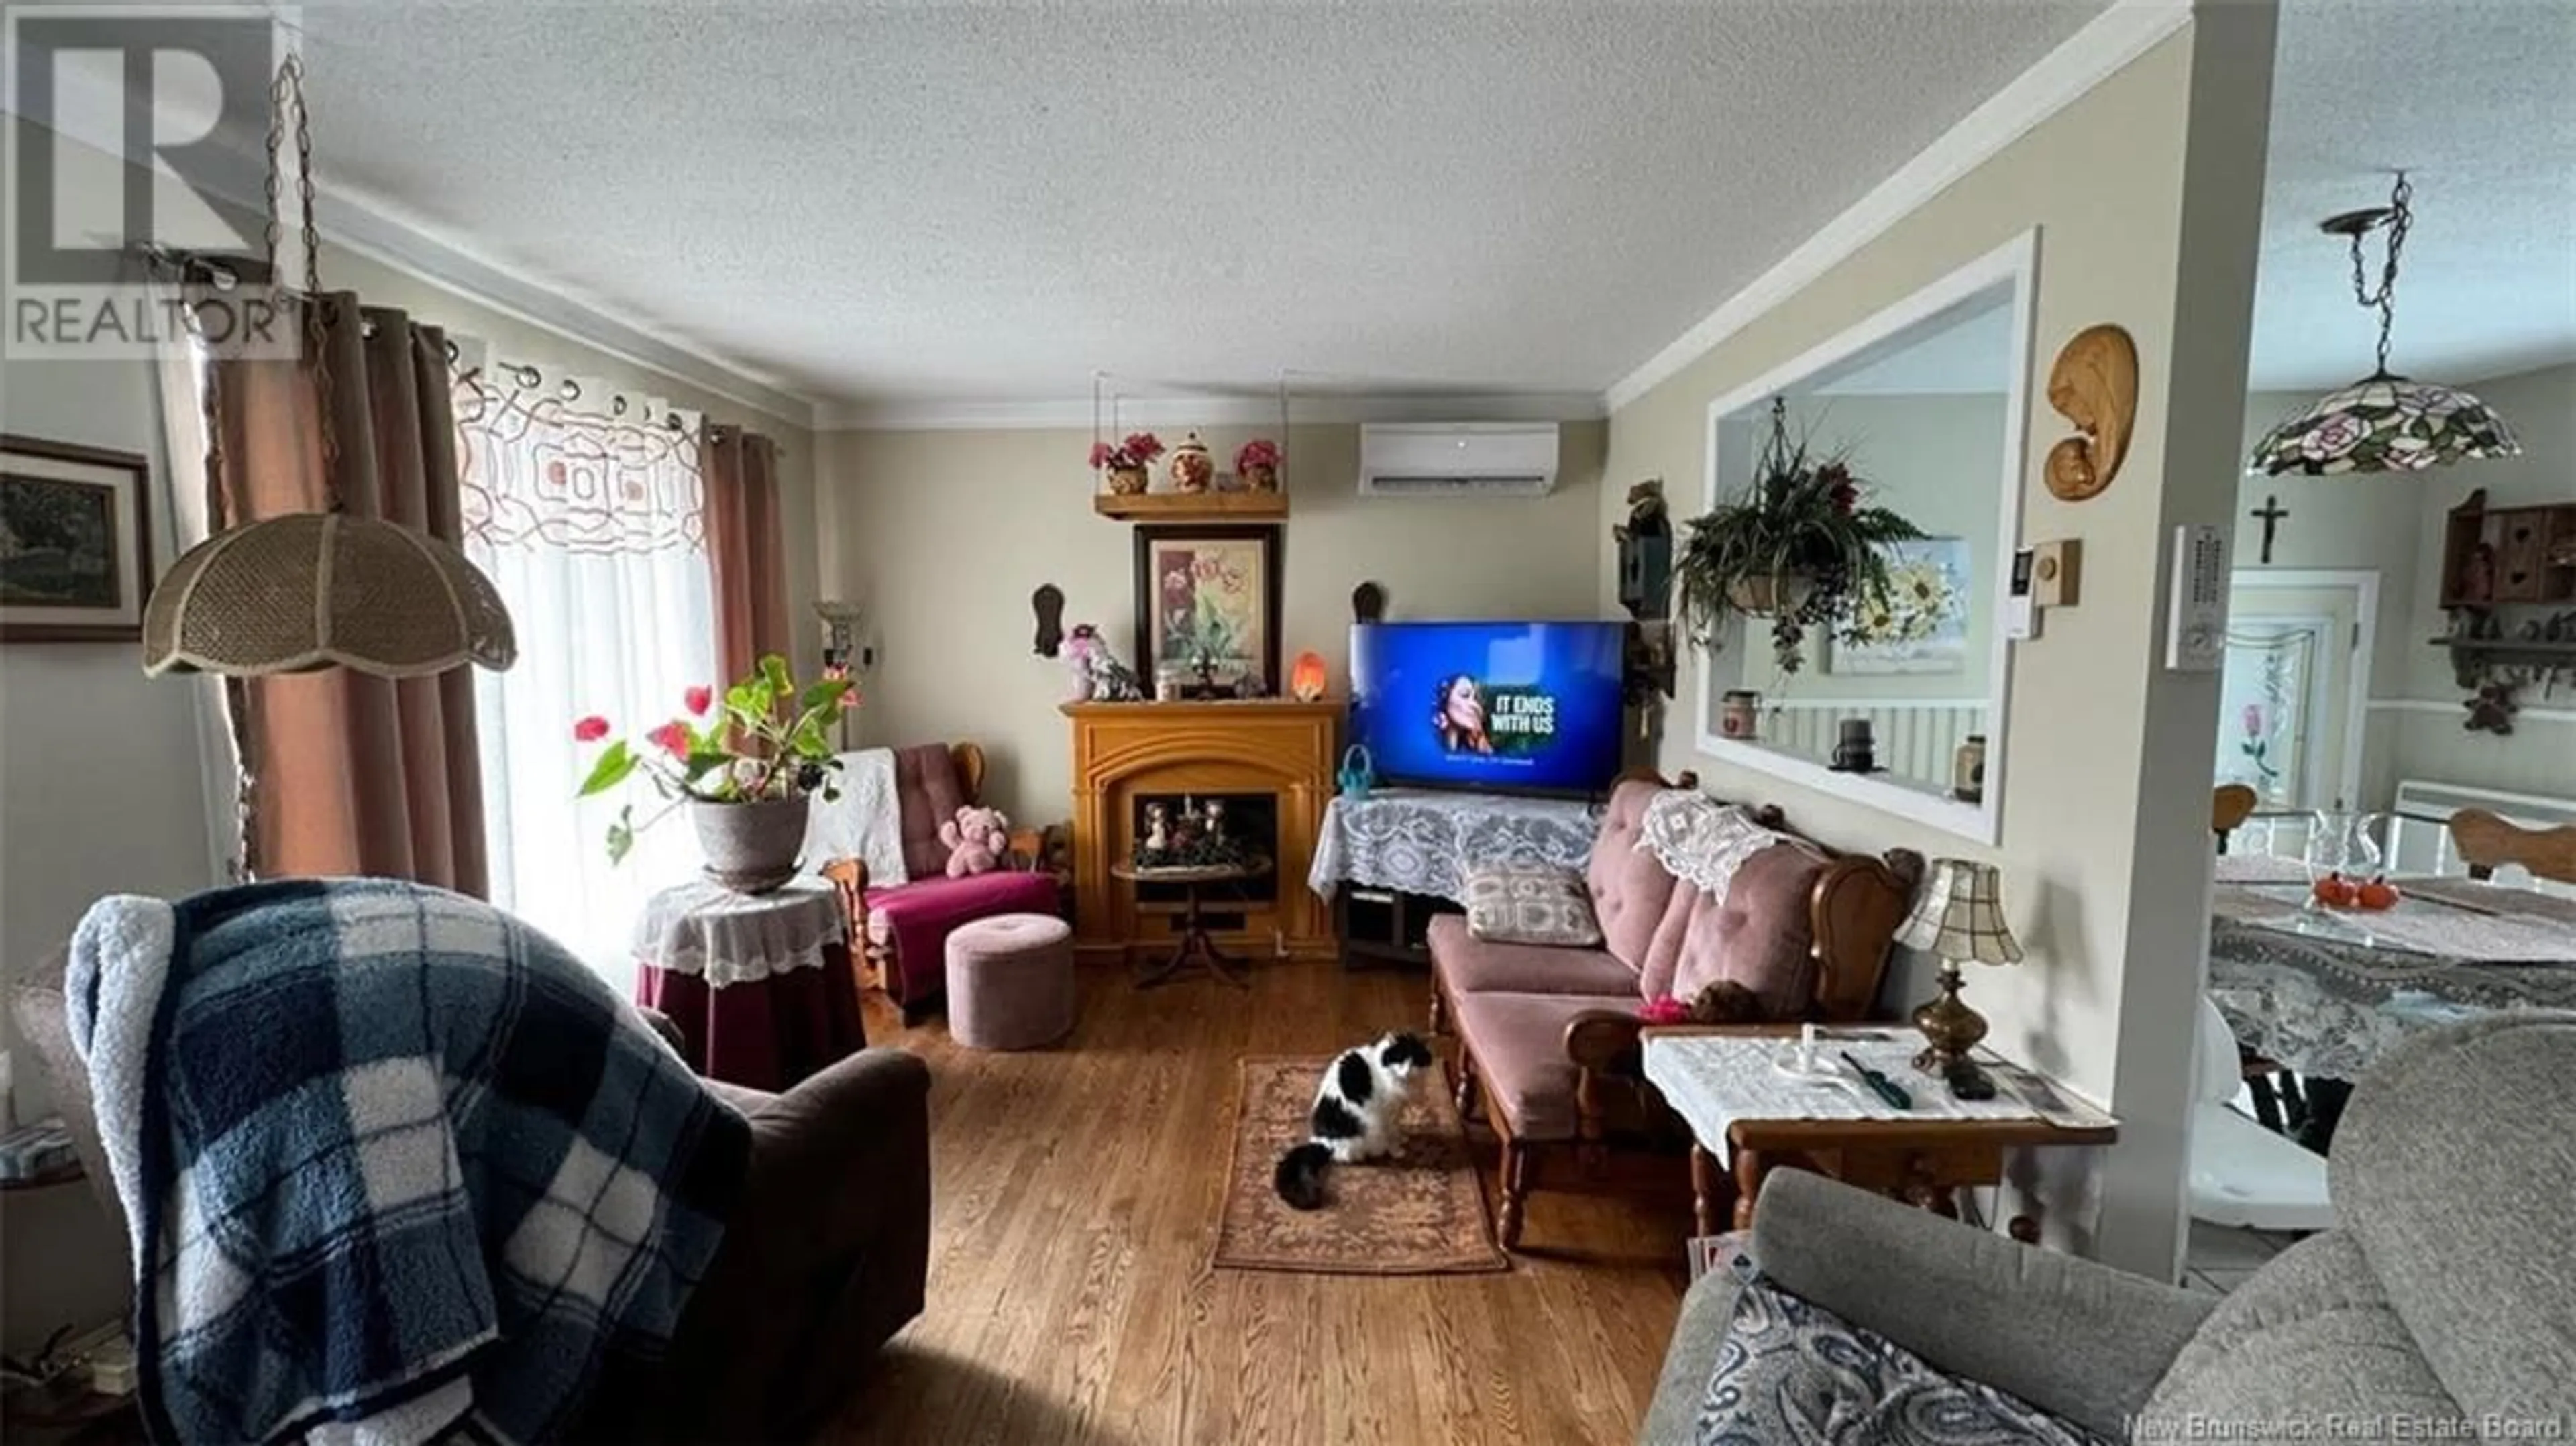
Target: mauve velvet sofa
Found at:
x=1548, y=1036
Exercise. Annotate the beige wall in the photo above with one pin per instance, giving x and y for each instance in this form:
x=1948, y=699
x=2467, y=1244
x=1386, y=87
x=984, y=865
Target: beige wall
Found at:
x=2393, y=525
x=942, y=536
x=2146, y=192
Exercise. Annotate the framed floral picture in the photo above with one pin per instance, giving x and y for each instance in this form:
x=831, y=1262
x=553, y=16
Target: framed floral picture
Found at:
x=1207, y=603
x=75, y=542
x=1923, y=625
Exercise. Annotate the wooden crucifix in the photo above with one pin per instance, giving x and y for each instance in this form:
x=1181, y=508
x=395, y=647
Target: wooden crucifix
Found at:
x=2271, y=512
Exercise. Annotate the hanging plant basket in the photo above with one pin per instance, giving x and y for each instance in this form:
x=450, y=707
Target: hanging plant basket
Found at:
x=1795, y=547
x=1762, y=597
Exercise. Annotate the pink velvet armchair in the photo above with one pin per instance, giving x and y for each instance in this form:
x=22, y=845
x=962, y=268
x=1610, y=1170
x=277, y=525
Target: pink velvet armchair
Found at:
x=899, y=931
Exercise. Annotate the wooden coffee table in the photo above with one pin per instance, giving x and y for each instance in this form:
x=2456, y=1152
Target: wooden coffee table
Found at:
x=1923, y=1160
x=1197, y=946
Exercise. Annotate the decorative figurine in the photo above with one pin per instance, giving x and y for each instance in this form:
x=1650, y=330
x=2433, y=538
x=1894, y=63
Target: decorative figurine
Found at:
x=1158, y=829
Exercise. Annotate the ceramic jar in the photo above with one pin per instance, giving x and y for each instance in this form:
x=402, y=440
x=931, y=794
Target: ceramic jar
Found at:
x=1193, y=470
x=1855, y=750
x=1739, y=715
x=1968, y=770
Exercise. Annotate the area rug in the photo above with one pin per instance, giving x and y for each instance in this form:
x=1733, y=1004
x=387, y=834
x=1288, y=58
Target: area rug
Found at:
x=1417, y=1213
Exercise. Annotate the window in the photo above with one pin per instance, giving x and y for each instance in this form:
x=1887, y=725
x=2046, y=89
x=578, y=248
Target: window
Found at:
x=592, y=523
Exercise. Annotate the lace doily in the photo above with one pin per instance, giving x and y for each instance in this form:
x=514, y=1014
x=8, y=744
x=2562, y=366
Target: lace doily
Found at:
x=1700, y=840
x=729, y=938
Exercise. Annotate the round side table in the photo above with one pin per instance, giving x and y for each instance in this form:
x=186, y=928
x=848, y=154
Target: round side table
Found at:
x=760, y=985
x=1197, y=946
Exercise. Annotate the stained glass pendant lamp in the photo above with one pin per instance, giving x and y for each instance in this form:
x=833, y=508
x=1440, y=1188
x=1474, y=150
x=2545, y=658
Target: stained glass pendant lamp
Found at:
x=312, y=590
x=2384, y=422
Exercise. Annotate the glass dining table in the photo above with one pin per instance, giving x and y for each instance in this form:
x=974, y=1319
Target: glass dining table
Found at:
x=2325, y=991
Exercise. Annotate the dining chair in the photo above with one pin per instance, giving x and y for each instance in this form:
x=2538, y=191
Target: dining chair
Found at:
x=2230, y=804
x=2486, y=843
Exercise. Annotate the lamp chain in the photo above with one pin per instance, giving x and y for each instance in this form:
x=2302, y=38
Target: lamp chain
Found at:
x=2401, y=217
x=287, y=90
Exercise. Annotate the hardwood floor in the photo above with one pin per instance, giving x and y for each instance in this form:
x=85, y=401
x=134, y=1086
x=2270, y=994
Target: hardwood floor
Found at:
x=1074, y=1199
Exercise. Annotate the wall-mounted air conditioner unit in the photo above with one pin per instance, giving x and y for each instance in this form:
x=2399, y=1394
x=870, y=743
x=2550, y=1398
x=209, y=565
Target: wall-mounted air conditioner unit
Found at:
x=1457, y=459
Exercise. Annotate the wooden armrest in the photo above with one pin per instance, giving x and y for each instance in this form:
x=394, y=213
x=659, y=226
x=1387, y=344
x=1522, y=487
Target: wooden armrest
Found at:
x=1604, y=1041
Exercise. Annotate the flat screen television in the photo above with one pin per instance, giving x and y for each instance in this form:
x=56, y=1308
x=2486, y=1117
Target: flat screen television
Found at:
x=1518, y=707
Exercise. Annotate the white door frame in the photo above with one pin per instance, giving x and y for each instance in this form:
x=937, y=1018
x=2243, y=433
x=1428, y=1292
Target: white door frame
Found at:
x=2365, y=583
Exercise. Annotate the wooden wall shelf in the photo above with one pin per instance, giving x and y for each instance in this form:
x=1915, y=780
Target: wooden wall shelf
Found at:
x=1193, y=506
x=2473, y=658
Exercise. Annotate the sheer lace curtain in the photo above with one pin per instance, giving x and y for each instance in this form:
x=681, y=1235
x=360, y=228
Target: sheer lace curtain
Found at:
x=588, y=512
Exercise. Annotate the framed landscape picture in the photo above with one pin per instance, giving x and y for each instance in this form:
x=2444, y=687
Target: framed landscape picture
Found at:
x=1207, y=600
x=75, y=551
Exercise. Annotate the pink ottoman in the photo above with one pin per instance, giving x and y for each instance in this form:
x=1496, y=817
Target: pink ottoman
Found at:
x=1010, y=981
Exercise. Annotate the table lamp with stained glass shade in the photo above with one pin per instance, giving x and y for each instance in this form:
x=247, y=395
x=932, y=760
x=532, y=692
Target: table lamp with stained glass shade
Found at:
x=1959, y=916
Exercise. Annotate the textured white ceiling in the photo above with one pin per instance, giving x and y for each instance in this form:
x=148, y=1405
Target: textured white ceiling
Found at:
x=938, y=203
x=2474, y=98
x=931, y=202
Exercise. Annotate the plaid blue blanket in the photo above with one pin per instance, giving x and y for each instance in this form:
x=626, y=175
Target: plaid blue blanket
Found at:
x=396, y=1166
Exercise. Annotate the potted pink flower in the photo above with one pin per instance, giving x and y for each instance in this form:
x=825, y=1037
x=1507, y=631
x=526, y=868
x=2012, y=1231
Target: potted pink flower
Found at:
x=1257, y=463
x=746, y=766
x=1125, y=462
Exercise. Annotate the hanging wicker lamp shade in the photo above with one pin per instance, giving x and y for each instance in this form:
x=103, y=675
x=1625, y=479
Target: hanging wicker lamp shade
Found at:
x=315, y=590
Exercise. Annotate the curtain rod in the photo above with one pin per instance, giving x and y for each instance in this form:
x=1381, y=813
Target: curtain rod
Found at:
x=530, y=377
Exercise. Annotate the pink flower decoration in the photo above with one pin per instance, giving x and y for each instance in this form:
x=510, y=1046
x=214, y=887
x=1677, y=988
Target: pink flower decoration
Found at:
x=671, y=738
x=1664, y=1009
x=1141, y=447
x=2332, y=437
x=2253, y=720
x=1259, y=452
x=590, y=729
x=699, y=699
x=1101, y=453
x=850, y=699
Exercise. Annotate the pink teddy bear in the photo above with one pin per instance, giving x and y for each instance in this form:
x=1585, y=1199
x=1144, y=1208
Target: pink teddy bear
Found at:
x=977, y=839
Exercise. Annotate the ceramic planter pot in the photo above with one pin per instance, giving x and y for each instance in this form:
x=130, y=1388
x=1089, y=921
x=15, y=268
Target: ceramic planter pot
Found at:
x=751, y=848
x=1127, y=481
x=1261, y=477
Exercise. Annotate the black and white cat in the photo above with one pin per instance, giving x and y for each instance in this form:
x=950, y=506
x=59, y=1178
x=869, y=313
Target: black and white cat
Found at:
x=1357, y=1108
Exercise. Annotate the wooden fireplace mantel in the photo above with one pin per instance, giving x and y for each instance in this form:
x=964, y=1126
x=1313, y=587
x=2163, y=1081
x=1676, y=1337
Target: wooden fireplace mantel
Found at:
x=1275, y=746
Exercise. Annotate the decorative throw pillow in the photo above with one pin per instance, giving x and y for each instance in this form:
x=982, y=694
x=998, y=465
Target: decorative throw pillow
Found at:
x=1791, y=1371
x=1530, y=904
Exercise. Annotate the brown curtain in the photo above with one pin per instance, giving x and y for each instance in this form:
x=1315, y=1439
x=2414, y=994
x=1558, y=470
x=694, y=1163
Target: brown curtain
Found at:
x=746, y=549
x=351, y=774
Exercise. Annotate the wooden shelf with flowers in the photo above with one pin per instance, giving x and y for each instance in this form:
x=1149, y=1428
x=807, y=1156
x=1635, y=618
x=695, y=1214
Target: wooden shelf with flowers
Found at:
x=1194, y=492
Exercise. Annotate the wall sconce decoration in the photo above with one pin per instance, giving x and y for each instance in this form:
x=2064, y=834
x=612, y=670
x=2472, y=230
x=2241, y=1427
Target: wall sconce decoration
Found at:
x=1048, y=603
x=840, y=638
x=2095, y=386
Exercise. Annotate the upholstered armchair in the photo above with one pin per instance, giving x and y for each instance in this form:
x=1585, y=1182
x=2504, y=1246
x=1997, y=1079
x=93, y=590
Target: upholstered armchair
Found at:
x=899, y=928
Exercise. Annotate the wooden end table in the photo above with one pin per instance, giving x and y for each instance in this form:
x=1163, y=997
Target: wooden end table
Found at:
x=1923, y=1161
x=1197, y=946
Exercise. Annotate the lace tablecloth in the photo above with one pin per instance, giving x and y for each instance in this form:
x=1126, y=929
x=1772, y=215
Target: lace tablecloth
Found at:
x=706, y=930
x=1712, y=1081
x=1423, y=842
x=2327, y=993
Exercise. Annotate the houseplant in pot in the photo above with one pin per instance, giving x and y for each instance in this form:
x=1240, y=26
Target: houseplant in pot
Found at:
x=1124, y=462
x=1796, y=546
x=745, y=766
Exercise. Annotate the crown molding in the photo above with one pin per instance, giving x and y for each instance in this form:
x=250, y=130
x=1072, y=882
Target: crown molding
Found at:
x=2085, y=59
x=368, y=226
x=1306, y=409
